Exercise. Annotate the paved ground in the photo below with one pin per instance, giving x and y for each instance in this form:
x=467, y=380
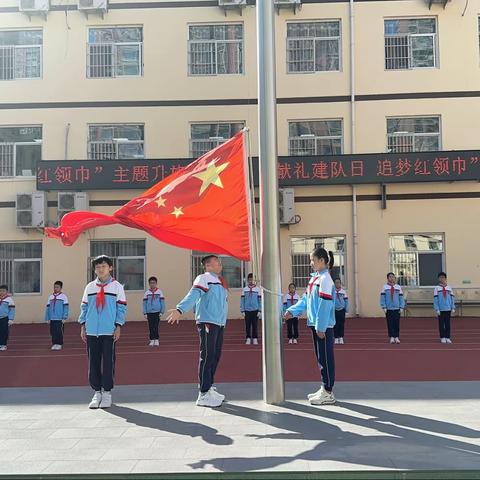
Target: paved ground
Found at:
x=402, y=425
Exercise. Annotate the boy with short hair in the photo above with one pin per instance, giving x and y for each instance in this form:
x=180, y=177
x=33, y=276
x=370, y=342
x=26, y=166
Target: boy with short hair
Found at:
x=444, y=306
x=7, y=315
x=102, y=313
x=392, y=302
x=250, y=307
x=290, y=299
x=153, y=308
x=56, y=312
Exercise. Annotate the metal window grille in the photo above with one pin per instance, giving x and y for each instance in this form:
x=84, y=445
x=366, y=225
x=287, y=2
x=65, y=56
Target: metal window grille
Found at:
x=20, y=62
x=323, y=137
x=109, y=60
x=233, y=269
x=309, y=55
x=205, y=137
x=7, y=160
x=113, y=142
x=415, y=134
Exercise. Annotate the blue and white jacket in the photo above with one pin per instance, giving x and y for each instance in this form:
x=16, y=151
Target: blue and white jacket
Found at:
x=391, y=297
x=289, y=300
x=7, y=308
x=57, y=307
x=209, y=297
x=154, y=302
x=443, y=299
x=251, y=299
x=102, y=321
x=318, y=302
x=341, y=300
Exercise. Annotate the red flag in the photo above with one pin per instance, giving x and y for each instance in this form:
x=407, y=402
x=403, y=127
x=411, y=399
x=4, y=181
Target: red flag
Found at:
x=203, y=206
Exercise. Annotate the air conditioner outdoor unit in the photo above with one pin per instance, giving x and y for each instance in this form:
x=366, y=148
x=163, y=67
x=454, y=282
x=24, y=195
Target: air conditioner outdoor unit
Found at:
x=287, y=3
x=438, y=2
x=34, y=6
x=30, y=210
x=93, y=5
x=231, y=3
x=287, y=206
x=71, y=201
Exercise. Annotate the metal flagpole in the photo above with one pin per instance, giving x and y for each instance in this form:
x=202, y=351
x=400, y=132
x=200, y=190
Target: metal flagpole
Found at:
x=273, y=383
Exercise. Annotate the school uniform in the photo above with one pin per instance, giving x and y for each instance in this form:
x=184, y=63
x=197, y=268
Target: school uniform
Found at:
x=392, y=300
x=444, y=305
x=153, y=307
x=209, y=297
x=341, y=309
x=7, y=315
x=318, y=301
x=292, y=323
x=251, y=305
x=56, y=312
x=103, y=308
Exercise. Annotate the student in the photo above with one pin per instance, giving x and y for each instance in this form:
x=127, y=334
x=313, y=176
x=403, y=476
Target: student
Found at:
x=209, y=296
x=102, y=313
x=290, y=299
x=153, y=307
x=341, y=309
x=392, y=302
x=7, y=314
x=444, y=305
x=56, y=312
x=318, y=301
x=250, y=307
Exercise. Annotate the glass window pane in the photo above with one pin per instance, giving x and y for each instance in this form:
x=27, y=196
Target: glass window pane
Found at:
x=128, y=60
x=21, y=37
x=26, y=277
x=327, y=56
x=423, y=51
x=130, y=273
x=429, y=266
x=26, y=160
x=130, y=150
x=27, y=62
x=20, y=134
x=232, y=271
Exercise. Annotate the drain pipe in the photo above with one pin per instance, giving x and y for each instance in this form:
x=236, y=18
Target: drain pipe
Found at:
x=67, y=133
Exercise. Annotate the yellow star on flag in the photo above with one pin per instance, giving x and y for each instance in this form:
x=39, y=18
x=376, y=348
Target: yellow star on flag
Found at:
x=160, y=201
x=177, y=211
x=211, y=175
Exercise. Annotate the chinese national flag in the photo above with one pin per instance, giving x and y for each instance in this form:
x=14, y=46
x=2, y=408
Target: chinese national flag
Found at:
x=202, y=207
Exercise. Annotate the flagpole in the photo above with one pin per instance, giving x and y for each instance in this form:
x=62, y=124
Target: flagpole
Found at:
x=273, y=383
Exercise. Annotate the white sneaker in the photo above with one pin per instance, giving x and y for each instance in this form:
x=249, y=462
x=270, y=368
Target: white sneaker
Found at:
x=336, y=341
x=255, y=341
x=448, y=340
x=96, y=399
x=157, y=343
x=392, y=340
x=295, y=340
x=443, y=340
x=248, y=341
x=54, y=347
x=59, y=347
x=214, y=393
x=325, y=398
x=316, y=394
x=208, y=399
x=290, y=341
x=3, y=348
x=106, y=400
x=397, y=340
x=151, y=343
x=340, y=341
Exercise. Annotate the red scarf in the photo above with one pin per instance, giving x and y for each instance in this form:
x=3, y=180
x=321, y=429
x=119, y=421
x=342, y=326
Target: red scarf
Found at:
x=100, y=299
x=223, y=282
x=444, y=291
x=392, y=290
x=338, y=294
x=55, y=295
x=153, y=295
x=291, y=299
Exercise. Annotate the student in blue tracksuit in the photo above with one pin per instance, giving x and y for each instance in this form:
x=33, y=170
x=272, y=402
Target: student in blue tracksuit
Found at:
x=209, y=297
x=392, y=302
x=341, y=309
x=153, y=307
x=444, y=305
x=102, y=314
x=7, y=315
x=56, y=312
x=250, y=307
x=291, y=298
x=318, y=301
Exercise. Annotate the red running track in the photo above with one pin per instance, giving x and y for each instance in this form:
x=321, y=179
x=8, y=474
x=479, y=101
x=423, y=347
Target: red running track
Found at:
x=366, y=355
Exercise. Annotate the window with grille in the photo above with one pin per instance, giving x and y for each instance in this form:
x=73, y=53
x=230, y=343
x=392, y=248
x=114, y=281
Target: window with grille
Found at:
x=111, y=142
x=313, y=47
x=319, y=137
x=414, y=134
x=21, y=266
x=410, y=43
x=301, y=247
x=206, y=136
x=128, y=261
x=20, y=54
x=215, y=49
x=233, y=269
x=115, y=52
x=20, y=150
x=417, y=259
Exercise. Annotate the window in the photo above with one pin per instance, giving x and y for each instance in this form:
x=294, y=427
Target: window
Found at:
x=320, y=137
x=301, y=247
x=313, y=47
x=233, y=269
x=21, y=266
x=128, y=261
x=415, y=134
x=417, y=259
x=410, y=43
x=20, y=54
x=206, y=136
x=20, y=150
x=115, y=52
x=111, y=142
x=215, y=49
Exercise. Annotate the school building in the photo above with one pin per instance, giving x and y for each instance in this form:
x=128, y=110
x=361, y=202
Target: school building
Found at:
x=378, y=114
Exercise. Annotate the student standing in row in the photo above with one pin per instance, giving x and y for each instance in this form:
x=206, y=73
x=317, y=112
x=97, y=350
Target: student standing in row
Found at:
x=7, y=315
x=153, y=308
x=341, y=309
x=444, y=305
x=290, y=299
x=56, y=312
x=250, y=306
x=392, y=302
